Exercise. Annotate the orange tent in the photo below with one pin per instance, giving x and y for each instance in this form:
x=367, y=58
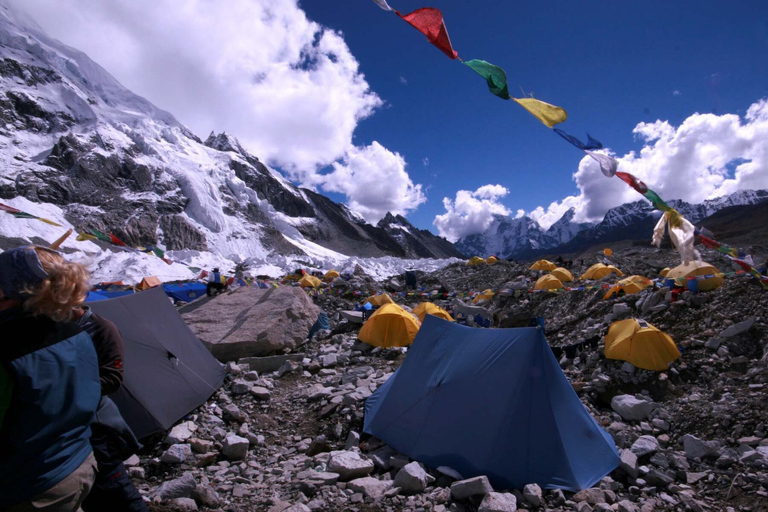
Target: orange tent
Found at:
x=148, y=282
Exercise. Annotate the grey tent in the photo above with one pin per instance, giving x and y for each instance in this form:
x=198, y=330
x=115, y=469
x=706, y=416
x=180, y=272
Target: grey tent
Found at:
x=168, y=371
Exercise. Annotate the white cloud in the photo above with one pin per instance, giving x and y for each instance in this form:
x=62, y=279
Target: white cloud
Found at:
x=289, y=89
x=707, y=156
x=375, y=181
x=403, y=80
x=470, y=212
x=425, y=162
x=676, y=93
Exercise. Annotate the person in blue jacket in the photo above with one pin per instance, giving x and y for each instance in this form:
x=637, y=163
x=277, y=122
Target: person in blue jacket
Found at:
x=49, y=383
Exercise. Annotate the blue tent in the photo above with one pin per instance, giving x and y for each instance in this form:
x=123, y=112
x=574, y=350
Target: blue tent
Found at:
x=490, y=402
x=94, y=296
x=185, y=292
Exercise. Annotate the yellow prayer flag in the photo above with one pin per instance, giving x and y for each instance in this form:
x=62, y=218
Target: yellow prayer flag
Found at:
x=50, y=222
x=55, y=245
x=84, y=237
x=548, y=114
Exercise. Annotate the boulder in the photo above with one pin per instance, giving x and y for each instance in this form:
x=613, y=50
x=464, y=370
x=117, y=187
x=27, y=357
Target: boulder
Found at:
x=411, y=478
x=498, y=502
x=235, y=447
x=253, y=321
x=178, y=488
x=478, y=485
x=533, y=495
x=369, y=486
x=349, y=465
x=631, y=408
x=645, y=445
x=695, y=448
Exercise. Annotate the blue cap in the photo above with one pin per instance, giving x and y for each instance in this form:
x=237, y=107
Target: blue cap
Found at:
x=20, y=268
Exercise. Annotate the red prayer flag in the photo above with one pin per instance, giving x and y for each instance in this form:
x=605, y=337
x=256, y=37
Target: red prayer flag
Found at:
x=429, y=21
x=709, y=243
x=116, y=240
x=9, y=209
x=632, y=182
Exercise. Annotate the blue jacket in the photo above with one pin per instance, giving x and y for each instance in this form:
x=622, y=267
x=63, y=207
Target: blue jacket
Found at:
x=45, y=429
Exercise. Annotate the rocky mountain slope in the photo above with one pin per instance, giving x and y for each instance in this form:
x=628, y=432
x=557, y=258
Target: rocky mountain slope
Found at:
x=693, y=438
x=72, y=136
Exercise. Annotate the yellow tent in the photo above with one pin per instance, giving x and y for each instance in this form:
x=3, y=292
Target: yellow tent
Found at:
x=309, y=281
x=148, y=282
x=548, y=282
x=543, y=265
x=697, y=268
x=599, y=271
x=330, y=276
x=390, y=326
x=430, y=308
x=630, y=285
x=484, y=295
x=475, y=260
x=491, y=260
x=607, y=251
x=664, y=272
x=563, y=274
x=641, y=344
x=379, y=300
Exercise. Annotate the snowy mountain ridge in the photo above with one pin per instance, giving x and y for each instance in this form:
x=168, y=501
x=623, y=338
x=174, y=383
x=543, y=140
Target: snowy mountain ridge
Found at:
x=522, y=238
x=83, y=150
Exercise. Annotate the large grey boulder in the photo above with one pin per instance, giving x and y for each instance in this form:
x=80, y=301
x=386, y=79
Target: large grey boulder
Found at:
x=369, y=486
x=498, y=502
x=411, y=478
x=179, y=488
x=696, y=448
x=631, y=408
x=349, y=465
x=253, y=321
x=478, y=485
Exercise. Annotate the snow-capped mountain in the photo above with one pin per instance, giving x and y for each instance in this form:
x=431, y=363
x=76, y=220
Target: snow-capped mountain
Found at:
x=419, y=240
x=75, y=142
x=523, y=238
x=509, y=237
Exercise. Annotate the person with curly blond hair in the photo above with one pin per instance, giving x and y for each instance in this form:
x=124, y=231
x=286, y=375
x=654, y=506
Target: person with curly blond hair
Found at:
x=49, y=383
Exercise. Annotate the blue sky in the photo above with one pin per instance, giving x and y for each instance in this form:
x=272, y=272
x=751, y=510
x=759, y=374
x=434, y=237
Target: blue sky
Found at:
x=611, y=65
x=349, y=99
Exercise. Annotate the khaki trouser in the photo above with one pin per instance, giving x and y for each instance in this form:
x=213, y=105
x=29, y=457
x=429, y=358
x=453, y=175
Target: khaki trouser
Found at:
x=65, y=496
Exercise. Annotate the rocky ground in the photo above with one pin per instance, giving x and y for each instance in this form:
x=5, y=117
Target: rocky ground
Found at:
x=284, y=434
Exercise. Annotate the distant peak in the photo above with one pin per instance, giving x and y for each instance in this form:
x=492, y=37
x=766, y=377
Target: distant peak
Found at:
x=224, y=142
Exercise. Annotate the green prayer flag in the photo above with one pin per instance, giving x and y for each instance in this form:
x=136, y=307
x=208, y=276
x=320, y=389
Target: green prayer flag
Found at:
x=101, y=236
x=658, y=202
x=494, y=75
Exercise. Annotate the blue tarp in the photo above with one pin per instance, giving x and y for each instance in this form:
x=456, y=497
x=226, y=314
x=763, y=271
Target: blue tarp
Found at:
x=185, y=292
x=106, y=294
x=490, y=402
x=94, y=296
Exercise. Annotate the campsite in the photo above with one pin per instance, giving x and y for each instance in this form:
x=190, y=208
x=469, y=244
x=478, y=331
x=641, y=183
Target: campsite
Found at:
x=397, y=423
x=354, y=266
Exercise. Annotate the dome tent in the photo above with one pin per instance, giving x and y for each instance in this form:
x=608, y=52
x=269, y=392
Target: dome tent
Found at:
x=379, y=300
x=641, y=344
x=543, y=265
x=693, y=269
x=599, y=271
x=390, y=326
x=430, y=308
x=548, y=282
x=563, y=274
